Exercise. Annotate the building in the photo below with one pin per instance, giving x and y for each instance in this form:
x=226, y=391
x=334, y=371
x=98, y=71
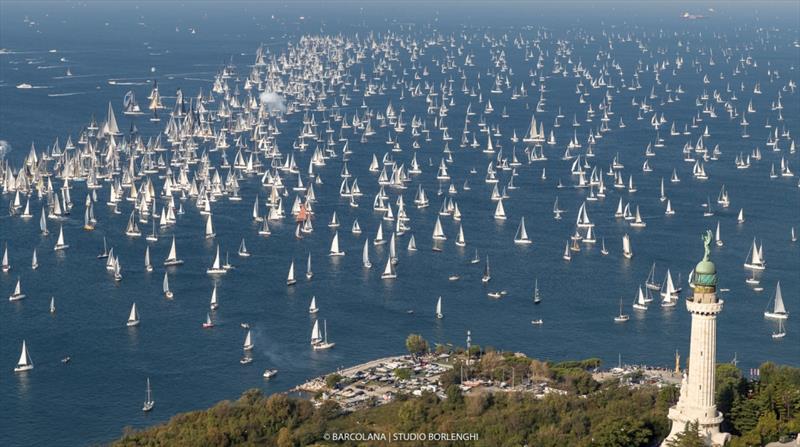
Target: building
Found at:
x=696, y=401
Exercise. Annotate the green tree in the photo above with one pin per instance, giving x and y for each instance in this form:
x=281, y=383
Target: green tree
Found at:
x=690, y=437
x=627, y=432
x=416, y=345
x=331, y=380
x=402, y=373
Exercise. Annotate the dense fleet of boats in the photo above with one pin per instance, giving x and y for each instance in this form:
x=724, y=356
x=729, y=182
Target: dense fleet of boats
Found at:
x=209, y=145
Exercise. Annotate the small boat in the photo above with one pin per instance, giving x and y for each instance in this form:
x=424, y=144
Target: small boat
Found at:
x=475, y=259
x=319, y=341
x=208, y=323
x=133, y=317
x=621, y=318
x=60, y=244
x=25, y=363
x=248, y=341
x=66, y=360
x=290, y=279
x=5, y=266
x=246, y=360
x=243, y=250
x=495, y=295
x=640, y=303
x=778, y=311
x=537, y=322
x=172, y=257
x=487, y=275
x=781, y=331
x=17, y=295
x=216, y=267
x=149, y=403
x=312, y=308
x=439, y=313
x=626, y=246
x=454, y=277
x=335, y=251
x=147, y=265
x=270, y=373
x=214, y=300
x=104, y=254
x=389, y=272
x=165, y=286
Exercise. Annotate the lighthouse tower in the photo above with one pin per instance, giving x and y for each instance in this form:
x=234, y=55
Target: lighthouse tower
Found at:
x=696, y=403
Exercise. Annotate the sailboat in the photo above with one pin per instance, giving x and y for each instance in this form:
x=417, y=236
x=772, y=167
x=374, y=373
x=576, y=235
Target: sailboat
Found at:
x=500, y=212
x=5, y=267
x=439, y=313
x=487, y=274
x=718, y=237
x=248, y=342
x=104, y=254
x=17, y=295
x=43, y=223
x=290, y=280
x=536, y=297
x=522, y=235
x=567, y=256
x=312, y=308
x=214, y=299
x=319, y=343
x=133, y=317
x=209, y=228
x=25, y=363
x=365, y=255
x=626, y=246
x=52, y=304
x=621, y=318
x=781, y=331
x=165, y=286
x=755, y=258
x=216, y=267
x=640, y=303
x=778, y=311
x=335, y=251
x=60, y=244
x=603, y=249
x=172, y=258
x=389, y=272
x=208, y=324
x=243, y=250
x=147, y=265
x=309, y=272
x=650, y=282
x=34, y=261
x=149, y=403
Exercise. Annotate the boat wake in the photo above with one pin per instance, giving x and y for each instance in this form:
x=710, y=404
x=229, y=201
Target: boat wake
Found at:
x=56, y=95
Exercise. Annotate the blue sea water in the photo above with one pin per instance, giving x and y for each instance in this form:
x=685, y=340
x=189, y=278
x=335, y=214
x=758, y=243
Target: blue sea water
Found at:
x=102, y=389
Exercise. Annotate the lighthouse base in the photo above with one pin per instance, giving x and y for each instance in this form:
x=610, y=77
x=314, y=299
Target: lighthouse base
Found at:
x=708, y=425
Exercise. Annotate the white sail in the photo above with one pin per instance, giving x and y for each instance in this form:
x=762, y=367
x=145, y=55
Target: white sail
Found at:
x=214, y=299
x=312, y=308
x=439, y=313
x=522, y=234
x=335, y=246
x=365, y=256
x=388, y=271
x=290, y=277
x=499, y=211
x=316, y=335
x=24, y=363
x=209, y=228
x=248, y=341
x=133, y=317
x=438, y=233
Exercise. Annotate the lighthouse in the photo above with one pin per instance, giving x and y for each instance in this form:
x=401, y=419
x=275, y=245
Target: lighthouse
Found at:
x=696, y=402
